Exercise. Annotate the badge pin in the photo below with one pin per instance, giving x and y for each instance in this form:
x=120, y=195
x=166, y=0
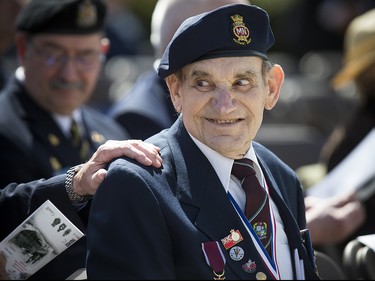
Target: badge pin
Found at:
x=87, y=15
x=236, y=253
x=232, y=239
x=97, y=137
x=250, y=266
x=240, y=31
x=53, y=140
x=260, y=229
x=55, y=164
x=261, y=276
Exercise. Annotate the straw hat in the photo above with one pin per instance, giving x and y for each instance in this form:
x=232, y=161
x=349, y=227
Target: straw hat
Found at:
x=359, y=47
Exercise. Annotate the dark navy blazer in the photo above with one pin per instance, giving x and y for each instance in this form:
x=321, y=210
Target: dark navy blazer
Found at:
x=149, y=223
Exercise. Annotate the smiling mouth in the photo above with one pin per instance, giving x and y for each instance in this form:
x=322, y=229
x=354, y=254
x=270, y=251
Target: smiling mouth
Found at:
x=221, y=122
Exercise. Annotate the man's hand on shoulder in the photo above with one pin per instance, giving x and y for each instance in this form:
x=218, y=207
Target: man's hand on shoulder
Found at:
x=90, y=175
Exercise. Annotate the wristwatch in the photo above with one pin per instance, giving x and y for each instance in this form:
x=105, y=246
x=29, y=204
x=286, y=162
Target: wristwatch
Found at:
x=73, y=196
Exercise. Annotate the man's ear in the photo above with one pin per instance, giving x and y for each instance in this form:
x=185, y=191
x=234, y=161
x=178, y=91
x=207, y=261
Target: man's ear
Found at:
x=275, y=80
x=21, y=44
x=173, y=84
x=105, y=45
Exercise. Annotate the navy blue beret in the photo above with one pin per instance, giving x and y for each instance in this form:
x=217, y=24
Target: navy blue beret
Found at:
x=62, y=16
x=233, y=30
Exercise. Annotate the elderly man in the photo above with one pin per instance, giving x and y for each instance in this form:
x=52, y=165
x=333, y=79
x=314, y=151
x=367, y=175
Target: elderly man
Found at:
x=192, y=219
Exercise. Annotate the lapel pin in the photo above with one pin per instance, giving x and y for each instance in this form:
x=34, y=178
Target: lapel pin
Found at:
x=232, y=239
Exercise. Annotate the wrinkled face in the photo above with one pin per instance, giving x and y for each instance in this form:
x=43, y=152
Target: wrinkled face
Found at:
x=222, y=100
x=61, y=71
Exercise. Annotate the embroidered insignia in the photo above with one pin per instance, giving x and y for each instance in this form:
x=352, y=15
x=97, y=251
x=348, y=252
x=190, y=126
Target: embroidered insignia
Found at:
x=236, y=253
x=87, y=14
x=260, y=229
x=241, y=32
x=232, y=239
x=250, y=266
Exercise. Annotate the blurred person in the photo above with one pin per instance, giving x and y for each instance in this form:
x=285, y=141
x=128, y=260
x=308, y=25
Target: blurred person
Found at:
x=146, y=108
x=45, y=126
x=8, y=12
x=358, y=70
x=333, y=220
x=18, y=201
x=186, y=220
x=321, y=25
x=133, y=41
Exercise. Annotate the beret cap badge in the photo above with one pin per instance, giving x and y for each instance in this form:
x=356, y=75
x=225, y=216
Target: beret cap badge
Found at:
x=241, y=32
x=87, y=14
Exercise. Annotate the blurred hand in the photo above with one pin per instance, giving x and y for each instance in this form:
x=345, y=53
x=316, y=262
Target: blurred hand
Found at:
x=92, y=173
x=332, y=220
x=3, y=263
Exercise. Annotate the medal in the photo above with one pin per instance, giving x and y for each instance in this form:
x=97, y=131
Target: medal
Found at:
x=214, y=258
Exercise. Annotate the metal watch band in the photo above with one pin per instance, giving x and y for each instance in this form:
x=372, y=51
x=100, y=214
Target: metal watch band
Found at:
x=73, y=196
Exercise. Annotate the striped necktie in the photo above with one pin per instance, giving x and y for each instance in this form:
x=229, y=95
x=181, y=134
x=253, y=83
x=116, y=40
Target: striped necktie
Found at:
x=257, y=209
x=78, y=142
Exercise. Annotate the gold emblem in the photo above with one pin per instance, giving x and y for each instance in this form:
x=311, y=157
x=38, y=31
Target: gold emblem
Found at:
x=241, y=32
x=96, y=137
x=54, y=141
x=87, y=15
x=261, y=276
x=219, y=276
x=55, y=164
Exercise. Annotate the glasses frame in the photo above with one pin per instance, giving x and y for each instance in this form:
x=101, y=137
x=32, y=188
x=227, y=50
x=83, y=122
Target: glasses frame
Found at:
x=84, y=62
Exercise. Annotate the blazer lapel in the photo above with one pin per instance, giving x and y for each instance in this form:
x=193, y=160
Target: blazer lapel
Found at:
x=290, y=224
x=200, y=188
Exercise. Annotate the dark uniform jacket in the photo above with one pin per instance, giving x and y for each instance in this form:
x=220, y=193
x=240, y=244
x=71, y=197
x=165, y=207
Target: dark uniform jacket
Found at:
x=17, y=202
x=152, y=227
x=32, y=146
x=29, y=151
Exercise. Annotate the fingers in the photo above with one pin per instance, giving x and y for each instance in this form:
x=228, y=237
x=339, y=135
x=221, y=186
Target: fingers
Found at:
x=144, y=153
x=92, y=173
x=99, y=176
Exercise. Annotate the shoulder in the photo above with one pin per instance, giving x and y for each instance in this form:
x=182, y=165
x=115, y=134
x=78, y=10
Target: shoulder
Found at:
x=100, y=122
x=270, y=158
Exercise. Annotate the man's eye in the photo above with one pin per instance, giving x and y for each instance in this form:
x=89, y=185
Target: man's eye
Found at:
x=241, y=82
x=202, y=85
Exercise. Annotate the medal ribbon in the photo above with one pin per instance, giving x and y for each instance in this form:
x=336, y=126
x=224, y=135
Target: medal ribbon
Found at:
x=214, y=256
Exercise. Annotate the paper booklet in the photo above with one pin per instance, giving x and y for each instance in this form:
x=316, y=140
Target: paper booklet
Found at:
x=40, y=238
x=356, y=172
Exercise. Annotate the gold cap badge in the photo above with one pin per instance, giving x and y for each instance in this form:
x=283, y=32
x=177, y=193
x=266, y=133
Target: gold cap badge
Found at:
x=87, y=15
x=241, y=32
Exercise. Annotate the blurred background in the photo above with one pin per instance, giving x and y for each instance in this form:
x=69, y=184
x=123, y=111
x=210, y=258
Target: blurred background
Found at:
x=309, y=41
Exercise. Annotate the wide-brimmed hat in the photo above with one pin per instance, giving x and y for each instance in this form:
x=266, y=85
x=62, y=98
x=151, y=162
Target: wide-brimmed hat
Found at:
x=359, y=48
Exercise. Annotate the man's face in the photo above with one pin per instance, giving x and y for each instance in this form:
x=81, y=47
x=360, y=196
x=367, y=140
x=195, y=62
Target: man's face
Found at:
x=61, y=71
x=222, y=101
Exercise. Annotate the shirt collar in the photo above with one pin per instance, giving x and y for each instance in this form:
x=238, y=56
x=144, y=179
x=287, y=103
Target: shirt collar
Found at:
x=223, y=165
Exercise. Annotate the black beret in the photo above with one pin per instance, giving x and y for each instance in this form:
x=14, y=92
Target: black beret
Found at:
x=62, y=16
x=233, y=30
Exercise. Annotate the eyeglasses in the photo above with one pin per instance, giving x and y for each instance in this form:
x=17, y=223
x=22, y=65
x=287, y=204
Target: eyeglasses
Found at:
x=55, y=58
